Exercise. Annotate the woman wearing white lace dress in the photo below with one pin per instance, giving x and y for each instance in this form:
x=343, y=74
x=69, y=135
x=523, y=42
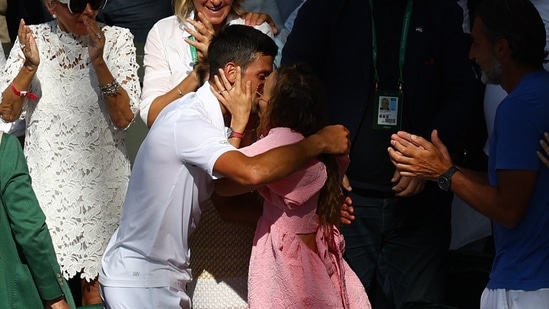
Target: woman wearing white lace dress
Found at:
x=77, y=80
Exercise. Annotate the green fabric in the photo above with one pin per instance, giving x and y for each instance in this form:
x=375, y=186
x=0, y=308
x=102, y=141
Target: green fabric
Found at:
x=29, y=272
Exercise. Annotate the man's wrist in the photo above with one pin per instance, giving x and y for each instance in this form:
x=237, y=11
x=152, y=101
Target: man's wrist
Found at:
x=316, y=144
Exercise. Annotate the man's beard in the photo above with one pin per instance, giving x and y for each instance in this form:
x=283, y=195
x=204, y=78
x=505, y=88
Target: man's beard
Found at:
x=492, y=74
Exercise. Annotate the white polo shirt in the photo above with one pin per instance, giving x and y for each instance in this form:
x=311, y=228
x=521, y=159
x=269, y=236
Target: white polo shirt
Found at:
x=170, y=182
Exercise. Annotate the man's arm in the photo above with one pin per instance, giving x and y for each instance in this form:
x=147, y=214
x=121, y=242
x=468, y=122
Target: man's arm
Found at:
x=253, y=172
x=505, y=203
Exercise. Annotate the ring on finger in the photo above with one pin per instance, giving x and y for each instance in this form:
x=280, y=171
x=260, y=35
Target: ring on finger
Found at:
x=22, y=46
x=99, y=36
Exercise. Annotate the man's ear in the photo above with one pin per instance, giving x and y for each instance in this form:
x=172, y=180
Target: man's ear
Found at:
x=230, y=72
x=502, y=49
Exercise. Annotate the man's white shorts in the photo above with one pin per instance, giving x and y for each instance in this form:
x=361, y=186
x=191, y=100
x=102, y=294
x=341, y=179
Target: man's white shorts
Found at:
x=144, y=298
x=514, y=299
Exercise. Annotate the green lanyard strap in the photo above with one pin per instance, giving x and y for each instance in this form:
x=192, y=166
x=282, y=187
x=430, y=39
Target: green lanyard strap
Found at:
x=194, y=54
x=403, y=39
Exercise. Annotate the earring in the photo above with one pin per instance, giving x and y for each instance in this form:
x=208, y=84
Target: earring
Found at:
x=54, y=16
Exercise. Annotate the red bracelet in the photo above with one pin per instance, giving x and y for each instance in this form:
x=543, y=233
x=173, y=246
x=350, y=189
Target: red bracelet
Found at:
x=26, y=94
x=236, y=135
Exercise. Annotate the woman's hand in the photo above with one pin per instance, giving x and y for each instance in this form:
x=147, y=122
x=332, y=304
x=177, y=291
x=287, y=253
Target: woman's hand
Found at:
x=28, y=45
x=96, y=41
x=236, y=98
x=203, y=33
x=255, y=19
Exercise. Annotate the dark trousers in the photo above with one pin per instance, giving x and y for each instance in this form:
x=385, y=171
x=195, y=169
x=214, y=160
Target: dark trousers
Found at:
x=397, y=247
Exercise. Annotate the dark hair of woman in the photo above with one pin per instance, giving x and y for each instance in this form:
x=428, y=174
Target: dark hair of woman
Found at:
x=298, y=102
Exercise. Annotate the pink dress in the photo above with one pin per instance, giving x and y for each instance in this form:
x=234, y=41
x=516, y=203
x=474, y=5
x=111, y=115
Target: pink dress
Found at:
x=284, y=272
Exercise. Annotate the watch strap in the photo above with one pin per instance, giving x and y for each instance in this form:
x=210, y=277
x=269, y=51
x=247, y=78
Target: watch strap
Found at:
x=236, y=134
x=445, y=180
x=451, y=171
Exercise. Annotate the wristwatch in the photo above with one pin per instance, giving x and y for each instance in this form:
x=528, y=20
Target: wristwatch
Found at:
x=233, y=134
x=445, y=180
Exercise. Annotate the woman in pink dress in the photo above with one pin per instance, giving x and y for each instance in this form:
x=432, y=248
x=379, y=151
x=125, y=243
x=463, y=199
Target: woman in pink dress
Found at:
x=297, y=255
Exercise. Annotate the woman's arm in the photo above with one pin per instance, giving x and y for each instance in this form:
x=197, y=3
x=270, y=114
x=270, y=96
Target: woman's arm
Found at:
x=116, y=97
x=16, y=92
x=157, y=89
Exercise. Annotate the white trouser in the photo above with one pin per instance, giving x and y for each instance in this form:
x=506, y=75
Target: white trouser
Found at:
x=144, y=298
x=514, y=299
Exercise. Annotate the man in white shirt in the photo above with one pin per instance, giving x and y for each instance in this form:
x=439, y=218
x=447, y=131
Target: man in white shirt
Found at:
x=146, y=264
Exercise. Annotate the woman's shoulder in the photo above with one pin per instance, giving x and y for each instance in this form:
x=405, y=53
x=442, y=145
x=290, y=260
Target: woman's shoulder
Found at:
x=166, y=28
x=280, y=136
x=114, y=29
x=43, y=29
x=170, y=21
x=117, y=36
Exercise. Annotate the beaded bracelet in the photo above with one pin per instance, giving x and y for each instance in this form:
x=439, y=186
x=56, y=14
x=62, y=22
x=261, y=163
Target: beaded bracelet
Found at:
x=110, y=89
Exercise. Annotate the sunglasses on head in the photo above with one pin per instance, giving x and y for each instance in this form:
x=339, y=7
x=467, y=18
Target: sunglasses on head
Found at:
x=78, y=6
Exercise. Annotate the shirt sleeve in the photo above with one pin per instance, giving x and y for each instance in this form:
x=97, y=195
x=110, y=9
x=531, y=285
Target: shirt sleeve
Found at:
x=517, y=137
x=200, y=143
x=122, y=63
x=156, y=78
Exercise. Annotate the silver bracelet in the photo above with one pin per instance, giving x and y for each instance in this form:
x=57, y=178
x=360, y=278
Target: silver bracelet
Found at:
x=110, y=89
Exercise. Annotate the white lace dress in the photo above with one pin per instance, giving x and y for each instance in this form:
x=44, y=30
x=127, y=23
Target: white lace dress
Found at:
x=77, y=158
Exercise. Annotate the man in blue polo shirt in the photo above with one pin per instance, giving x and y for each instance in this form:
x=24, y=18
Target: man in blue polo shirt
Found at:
x=508, y=44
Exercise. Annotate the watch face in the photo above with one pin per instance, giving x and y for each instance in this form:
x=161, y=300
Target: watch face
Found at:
x=443, y=183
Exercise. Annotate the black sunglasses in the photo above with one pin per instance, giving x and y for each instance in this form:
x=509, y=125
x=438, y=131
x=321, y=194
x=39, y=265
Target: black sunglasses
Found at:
x=78, y=6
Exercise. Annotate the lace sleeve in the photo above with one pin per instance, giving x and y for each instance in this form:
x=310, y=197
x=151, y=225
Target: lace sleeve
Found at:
x=120, y=55
x=13, y=65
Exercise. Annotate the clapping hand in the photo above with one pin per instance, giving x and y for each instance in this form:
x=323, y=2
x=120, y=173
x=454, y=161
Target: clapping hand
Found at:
x=28, y=45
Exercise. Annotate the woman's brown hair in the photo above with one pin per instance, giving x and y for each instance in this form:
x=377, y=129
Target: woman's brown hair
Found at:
x=298, y=102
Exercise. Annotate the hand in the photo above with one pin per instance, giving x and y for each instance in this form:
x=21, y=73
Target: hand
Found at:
x=203, y=33
x=254, y=19
x=236, y=98
x=96, y=40
x=28, y=45
x=414, y=156
x=407, y=186
x=347, y=211
x=58, y=303
x=346, y=184
x=545, y=145
x=336, y=139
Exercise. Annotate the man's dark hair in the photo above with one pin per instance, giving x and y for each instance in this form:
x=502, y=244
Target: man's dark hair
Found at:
x=238, y=44
x=520, y=24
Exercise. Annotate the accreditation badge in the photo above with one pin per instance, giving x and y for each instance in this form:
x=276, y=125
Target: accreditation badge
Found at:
x=387, y=110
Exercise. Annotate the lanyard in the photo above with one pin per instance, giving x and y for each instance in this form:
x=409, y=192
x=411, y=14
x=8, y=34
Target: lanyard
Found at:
x=403, y=39
x=194, y=54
